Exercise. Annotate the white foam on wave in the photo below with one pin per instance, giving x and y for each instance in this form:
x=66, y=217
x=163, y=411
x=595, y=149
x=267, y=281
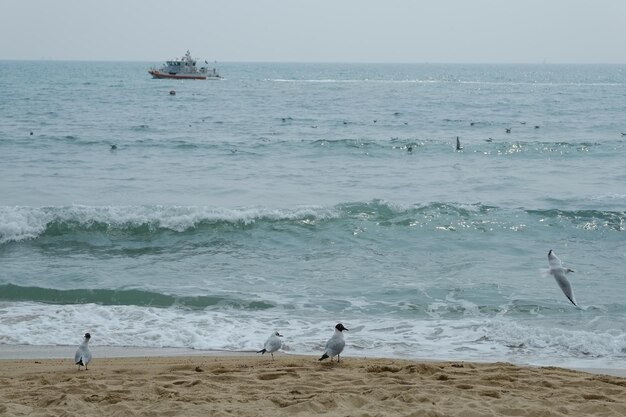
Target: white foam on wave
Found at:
x=603, y=197
x=22, y=223
x=42, y=324
x=17, y=224
x=479, y=339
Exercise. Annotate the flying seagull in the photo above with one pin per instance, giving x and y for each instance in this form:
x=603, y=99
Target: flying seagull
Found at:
x=558, y=272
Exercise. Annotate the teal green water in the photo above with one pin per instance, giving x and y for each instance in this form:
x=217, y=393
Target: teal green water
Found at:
x=293, y=197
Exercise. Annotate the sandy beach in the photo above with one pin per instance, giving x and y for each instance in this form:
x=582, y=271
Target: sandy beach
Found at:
x=249, y=385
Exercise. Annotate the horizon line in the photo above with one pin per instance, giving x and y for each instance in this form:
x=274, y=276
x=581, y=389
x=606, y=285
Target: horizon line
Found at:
x=545, y=62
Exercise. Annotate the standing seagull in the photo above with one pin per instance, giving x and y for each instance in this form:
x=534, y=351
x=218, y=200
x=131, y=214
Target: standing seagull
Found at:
x=272, y=344
x=83, y=355
x=558, y=272
x=335, y=344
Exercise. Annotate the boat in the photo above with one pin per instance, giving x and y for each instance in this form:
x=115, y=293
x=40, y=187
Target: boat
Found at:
x=184, y=69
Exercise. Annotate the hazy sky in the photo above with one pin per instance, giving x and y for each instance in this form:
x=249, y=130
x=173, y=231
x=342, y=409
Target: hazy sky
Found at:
x=463, y=31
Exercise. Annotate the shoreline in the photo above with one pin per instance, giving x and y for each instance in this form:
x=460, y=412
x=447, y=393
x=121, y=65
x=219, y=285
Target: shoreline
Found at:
x=42, y=353
x=245, y=385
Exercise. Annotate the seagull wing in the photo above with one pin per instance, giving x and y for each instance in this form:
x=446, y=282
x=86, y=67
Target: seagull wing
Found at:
x=272, y=344
x=566, y=287
x=335, y=346
x=86, y=356
x=78, y=355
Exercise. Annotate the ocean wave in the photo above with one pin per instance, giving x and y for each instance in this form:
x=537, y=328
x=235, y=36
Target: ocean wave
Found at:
x=376, y=143
x=479, y=216
x=128, y=297
x=24, y=223
x=533, y=341
x=444, y=80
x=352, y=81
x=586, y=219
x=20, y=223
x=494, y=147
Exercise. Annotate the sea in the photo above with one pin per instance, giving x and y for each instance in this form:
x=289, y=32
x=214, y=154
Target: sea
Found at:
x=288, y=197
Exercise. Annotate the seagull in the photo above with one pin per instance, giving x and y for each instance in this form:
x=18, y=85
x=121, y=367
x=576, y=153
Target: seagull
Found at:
x=272, y=344
x=83, y=355
x=557, y=270
x=335, y=344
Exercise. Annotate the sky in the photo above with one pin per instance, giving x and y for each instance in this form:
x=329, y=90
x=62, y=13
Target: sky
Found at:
x=434, y=31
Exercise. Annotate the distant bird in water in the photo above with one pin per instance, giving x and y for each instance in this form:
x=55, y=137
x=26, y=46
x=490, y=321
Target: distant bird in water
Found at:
x=522, y=123
x=375, y=120
x=537, y=126
x=31, y=133
x=272, y=344
x=458, y=144
x=472, y=123
x=335, y=344
x=172, y=92
x=82, y=357
x=558, y=272
x=508, y=130
x=489, y=140
x=113, y=147
x=623, y=134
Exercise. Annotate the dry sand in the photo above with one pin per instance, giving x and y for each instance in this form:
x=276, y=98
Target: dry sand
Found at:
x=301, y=386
